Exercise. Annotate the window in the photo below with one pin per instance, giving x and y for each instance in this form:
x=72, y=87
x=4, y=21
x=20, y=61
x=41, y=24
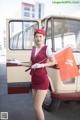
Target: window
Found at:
x=27, y=14
x=22, y=35
x=33, y=9
x=48, y=34
x=43, y=24
x=27, y=8
x=33, y=15
x=66, y=33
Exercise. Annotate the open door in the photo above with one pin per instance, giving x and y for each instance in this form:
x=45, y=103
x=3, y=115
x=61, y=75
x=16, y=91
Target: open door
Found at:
x=19, y=44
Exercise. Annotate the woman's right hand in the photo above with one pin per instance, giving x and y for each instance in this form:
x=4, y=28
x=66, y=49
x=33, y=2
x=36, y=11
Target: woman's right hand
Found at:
x=37, y=65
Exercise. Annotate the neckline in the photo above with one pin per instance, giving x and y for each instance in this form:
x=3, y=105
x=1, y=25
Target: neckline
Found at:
x=38, y=51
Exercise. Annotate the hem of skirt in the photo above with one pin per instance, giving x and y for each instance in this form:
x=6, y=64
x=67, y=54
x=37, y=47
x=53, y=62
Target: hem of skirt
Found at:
x=39, y=88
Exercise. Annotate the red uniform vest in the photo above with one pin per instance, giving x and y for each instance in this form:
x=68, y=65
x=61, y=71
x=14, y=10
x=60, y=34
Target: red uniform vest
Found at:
x=39, y=76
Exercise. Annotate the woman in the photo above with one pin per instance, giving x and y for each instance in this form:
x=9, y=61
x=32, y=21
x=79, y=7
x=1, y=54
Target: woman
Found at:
x=40, y=79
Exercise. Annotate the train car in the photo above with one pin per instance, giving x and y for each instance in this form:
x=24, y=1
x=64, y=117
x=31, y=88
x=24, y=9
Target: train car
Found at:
x=62, y=34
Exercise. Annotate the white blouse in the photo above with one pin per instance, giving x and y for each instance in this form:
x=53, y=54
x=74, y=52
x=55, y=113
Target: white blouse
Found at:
x=48, y=51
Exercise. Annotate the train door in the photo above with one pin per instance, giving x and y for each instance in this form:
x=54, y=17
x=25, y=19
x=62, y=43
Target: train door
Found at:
x=62, y=32
x=66, y=35
x=19, y=45
x=78, y=60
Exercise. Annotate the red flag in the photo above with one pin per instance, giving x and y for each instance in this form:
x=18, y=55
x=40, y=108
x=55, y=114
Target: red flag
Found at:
x=67, y=64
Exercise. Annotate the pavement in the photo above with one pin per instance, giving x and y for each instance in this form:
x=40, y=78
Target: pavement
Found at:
x=20, y=106
x=3, y=79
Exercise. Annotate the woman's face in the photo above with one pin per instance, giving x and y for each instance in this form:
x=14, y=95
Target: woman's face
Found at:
x=39, y=39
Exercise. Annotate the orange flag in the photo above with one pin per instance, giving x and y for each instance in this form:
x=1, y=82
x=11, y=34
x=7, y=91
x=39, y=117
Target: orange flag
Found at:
x=68, y=68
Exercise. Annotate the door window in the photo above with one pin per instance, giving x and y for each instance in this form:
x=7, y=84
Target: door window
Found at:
x=21, y=34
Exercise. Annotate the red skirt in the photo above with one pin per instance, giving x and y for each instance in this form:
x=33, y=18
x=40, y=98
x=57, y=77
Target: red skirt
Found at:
x=40, y=82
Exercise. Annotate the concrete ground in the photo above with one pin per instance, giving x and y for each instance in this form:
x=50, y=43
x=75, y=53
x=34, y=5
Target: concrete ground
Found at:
x=20, y=106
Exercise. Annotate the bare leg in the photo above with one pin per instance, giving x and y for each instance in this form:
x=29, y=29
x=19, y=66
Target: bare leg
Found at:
x=34, y=92
x=38, y=101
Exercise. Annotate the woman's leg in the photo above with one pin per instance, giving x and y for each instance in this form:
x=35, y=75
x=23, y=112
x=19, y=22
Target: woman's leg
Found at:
x=38, y=101
x=34, y=92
